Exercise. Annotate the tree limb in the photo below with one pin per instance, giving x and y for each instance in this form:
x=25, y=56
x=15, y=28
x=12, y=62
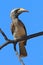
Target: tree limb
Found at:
x=8, y=41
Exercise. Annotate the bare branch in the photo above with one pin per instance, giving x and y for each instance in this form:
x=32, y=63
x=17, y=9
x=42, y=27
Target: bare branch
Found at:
x=23, y=38
x=5, y=37
x=5, y=44
x=21, y=61
x=8, y=41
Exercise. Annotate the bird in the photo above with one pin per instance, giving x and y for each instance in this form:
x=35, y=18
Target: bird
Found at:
x=18, y=30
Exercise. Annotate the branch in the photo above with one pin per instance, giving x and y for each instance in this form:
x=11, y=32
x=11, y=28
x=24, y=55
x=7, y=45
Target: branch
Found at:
x=8, y=41
x=21, y=39
x=5, y=37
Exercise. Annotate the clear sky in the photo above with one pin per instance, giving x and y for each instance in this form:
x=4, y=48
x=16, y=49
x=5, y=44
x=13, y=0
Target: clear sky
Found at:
x=33, y=22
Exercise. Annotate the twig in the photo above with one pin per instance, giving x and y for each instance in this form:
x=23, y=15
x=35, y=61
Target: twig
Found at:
x=21, y=61
x=5, y=37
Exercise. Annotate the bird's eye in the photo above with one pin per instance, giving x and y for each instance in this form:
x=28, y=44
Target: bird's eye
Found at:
x=17, y=10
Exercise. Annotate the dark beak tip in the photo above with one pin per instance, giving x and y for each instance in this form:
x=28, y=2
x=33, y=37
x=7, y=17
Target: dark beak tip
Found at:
x=26, y=11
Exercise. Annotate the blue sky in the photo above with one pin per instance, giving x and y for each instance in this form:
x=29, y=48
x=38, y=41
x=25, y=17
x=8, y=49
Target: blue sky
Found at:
x=33, y=22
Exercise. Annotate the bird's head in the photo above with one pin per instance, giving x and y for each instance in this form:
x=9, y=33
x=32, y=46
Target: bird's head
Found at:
x=16, y=12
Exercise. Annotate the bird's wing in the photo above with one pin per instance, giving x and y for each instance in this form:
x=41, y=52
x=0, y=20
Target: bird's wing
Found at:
x=22, y=44
x=21, y=24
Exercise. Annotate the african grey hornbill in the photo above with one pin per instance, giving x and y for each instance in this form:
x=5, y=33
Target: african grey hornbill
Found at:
x=18, y=30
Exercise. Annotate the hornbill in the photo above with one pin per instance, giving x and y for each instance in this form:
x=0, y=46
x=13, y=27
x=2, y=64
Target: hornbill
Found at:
x=18, y=30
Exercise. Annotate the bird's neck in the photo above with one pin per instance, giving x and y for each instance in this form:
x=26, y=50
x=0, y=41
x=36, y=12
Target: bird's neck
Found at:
x=14, y=17
x=15, y=20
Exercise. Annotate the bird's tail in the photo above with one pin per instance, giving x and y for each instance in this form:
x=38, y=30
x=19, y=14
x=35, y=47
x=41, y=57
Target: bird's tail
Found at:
x=23, y=52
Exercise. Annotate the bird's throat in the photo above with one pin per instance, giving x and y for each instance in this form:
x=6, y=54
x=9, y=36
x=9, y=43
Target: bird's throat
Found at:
x=15, y=21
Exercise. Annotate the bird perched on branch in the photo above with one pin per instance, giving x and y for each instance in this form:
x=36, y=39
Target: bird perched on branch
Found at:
x=18, y=30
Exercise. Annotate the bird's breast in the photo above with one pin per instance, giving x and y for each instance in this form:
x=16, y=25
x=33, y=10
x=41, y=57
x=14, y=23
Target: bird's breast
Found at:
x=19, y=31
